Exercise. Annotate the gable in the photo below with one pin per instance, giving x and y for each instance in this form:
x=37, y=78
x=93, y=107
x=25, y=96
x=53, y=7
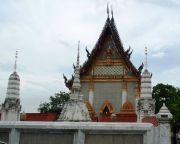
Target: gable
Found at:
x=108, y=58
x=108, y=50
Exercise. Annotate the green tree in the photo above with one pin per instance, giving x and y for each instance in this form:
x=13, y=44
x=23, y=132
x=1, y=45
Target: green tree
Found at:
x=170, y=95
x=55, y=104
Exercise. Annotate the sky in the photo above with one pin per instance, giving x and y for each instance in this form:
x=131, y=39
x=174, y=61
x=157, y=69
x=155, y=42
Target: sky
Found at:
x=46, y=34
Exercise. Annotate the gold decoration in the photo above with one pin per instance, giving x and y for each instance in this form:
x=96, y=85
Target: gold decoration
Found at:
x=89, y=107
x=91, y=86
x=127, y=107
x=124, y=86
x=136, y=91
x=108, y=105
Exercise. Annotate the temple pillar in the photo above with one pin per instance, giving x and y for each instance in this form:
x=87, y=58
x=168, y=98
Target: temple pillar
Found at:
x=124, y=93
x=79, y=137
x=91, y=93
x=137, y=91
x=137, y=95
x=14, y=136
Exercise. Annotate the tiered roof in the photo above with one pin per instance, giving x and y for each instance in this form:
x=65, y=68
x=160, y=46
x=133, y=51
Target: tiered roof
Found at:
x=109, y=28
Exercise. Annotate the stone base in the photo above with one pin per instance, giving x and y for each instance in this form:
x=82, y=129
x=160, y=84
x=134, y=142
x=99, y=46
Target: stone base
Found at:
x=74, y=110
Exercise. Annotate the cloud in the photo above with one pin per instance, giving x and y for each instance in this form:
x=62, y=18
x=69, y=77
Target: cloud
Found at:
x=158, y=55
x=168, y=76
x=5, y=67
x=162, y=3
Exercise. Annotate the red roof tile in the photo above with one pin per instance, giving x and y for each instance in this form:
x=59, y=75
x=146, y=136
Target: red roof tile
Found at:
x=39, y=116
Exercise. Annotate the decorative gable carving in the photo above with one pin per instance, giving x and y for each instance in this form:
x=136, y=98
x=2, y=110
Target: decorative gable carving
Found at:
x=108, y=59
x=109, y=51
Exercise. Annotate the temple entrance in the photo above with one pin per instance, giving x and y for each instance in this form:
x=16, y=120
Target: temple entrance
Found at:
x=105, y=112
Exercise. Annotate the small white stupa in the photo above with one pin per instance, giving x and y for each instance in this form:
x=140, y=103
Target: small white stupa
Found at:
x=10, y=109
x=164, y=116
x=75, y=109
x=164, y=113
x=146, y=102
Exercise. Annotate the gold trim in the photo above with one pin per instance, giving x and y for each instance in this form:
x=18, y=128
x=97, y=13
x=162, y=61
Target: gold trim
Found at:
x=136, y=90
x=91, y=86
x=108, y=105
x=127, y=107
x=124, y=86
x=89, y=107
x=104, y=62
x=102, y=79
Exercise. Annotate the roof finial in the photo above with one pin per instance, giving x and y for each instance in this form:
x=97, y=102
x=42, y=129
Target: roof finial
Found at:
x=146, y=62
x=78, y=55
x=112, y=11
x=108, y=9
x=15, y=64
x=76, y=82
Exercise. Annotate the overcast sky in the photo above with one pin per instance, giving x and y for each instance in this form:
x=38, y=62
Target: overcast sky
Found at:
x=46, y=33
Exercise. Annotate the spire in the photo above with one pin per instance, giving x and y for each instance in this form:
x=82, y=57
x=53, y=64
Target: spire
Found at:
x=146, y=62
x=77, y=65
x=76, y=82
x=112, y=11
x=75, y=109
x=15, y=64
x=108, y=9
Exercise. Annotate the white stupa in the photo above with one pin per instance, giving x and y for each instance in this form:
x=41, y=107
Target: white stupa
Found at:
x=146, y=102
x=10, y=110
x=75, y=109
x=164, y=113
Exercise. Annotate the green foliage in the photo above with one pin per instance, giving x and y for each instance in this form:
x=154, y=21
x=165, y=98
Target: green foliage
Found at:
x=170, y=95
x=55, y=103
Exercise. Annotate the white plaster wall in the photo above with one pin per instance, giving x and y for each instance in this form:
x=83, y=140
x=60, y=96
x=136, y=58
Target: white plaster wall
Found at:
x=10, y=115
x=165, y=133
x=79, y=129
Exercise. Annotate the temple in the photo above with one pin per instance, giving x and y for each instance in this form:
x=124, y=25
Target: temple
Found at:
x=105, y=90
x=110, y=82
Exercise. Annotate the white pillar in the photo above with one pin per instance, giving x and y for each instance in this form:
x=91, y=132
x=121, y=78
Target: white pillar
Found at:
x=164, y=117
x=79, y=137
x=91, y=93
x=138, y=110
x=14, y=136
x=165, y=132
x=91, y=96
x=124, y=93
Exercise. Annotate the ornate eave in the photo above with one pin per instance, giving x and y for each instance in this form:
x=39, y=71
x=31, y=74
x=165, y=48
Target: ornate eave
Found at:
x=109, y=28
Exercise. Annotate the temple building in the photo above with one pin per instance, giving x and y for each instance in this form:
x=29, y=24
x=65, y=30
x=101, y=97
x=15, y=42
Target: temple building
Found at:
x=106, y=88
x=110, y=82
